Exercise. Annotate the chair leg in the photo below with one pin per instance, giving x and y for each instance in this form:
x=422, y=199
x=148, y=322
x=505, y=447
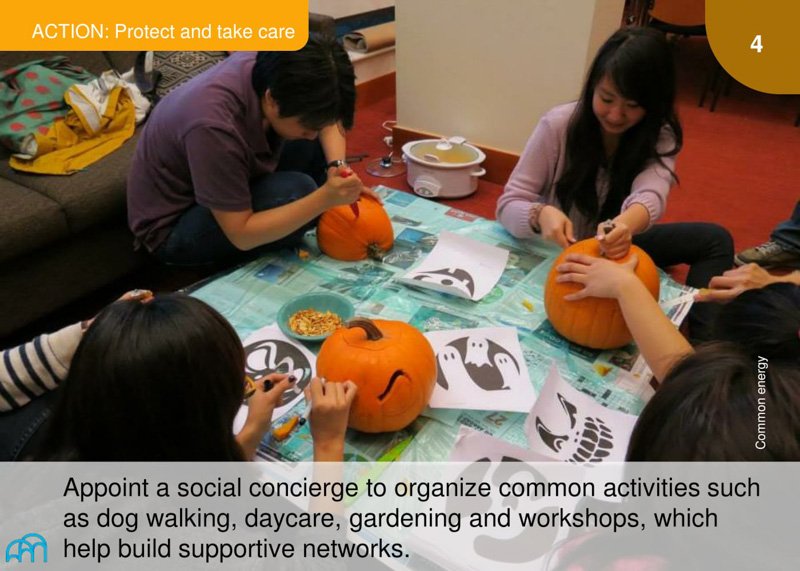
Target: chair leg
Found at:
x=711, y=83
x=724, y=84
x=728, y=84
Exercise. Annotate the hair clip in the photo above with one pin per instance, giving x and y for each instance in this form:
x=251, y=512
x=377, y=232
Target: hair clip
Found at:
x=143, y=295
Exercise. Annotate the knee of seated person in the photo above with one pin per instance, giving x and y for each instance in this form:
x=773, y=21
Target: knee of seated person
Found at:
x=719, y=237
x=305, y=184
x=281, y=188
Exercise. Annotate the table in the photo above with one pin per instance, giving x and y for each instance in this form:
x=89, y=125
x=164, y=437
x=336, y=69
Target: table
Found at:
x=250, y=296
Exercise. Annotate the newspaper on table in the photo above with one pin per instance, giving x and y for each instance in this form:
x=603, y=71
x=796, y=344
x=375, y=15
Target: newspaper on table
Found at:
x=251, y=295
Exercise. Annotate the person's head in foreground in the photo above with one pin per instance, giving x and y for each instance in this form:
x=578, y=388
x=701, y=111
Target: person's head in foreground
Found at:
x=711, y=405
x=303, y=91
x=161, y=380
x=765, y=321
x=731, y=400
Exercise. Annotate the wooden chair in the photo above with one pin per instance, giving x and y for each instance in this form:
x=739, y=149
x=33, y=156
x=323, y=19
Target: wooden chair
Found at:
x=688, y=18
x=718, y=81
x=681, y=17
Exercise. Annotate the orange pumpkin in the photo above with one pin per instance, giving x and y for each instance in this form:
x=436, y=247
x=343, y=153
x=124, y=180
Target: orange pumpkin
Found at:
x=344, y=234
x=593, y=322
x=393, y=365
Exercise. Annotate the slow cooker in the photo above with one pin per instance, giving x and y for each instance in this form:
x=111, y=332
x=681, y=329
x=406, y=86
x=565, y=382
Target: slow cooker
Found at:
x=443, y=168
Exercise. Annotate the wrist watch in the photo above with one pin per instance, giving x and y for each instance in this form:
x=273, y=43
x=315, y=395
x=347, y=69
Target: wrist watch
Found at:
x=337, y=163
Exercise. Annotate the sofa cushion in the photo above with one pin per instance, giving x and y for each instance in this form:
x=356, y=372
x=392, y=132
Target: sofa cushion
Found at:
x=122, y=61
x=89, y=197
x=32, y=286
x=95, y=62
x=29, y=221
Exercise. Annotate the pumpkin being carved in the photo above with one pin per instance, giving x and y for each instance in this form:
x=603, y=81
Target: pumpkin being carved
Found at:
x=393, y=365
x=593, y=322
x=350, y=234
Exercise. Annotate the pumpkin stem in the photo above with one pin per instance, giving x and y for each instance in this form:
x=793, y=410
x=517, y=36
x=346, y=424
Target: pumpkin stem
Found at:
x=372, y=331
x=375, y=252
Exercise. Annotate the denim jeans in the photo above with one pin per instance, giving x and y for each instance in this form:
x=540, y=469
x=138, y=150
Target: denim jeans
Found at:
x=196, y=239
x=706, y=248
x=787, y=233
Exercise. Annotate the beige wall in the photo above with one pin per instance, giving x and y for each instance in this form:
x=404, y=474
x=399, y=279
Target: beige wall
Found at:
x=487, y=70
x=342, y=8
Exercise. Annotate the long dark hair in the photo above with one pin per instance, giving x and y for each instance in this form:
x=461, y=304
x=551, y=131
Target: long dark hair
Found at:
x=764, y=321
x=315, y=83
x=712, y=406
x=707, y=409
x=640, y=63
x=153, y=381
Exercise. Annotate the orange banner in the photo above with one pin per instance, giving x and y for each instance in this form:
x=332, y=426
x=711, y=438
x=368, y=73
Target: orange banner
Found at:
x=758, y=43
x=271, y=25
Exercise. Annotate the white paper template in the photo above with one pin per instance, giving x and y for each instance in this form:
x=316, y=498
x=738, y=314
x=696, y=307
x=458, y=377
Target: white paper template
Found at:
x=459, y=266
x=508, y=549
x=481, y=369
x=473, y=446
x=267, y=351
x=571, y=426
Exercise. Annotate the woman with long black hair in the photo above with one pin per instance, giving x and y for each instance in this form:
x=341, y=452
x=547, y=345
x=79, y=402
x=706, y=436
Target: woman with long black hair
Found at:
x=610, y=157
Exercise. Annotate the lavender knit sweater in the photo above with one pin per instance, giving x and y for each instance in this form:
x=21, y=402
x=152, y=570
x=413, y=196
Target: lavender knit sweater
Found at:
x=542, y=163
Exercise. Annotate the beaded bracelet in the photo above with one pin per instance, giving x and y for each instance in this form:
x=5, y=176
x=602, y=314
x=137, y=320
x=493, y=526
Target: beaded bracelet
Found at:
x=533, y=218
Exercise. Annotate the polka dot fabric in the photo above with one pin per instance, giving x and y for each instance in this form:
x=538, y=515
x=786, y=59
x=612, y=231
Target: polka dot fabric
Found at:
x=32, y=97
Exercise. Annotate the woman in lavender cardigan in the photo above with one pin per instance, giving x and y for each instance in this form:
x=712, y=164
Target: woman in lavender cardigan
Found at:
x=610, y=156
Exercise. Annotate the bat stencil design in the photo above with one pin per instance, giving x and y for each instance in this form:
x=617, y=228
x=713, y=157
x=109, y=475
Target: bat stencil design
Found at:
x=454, y=277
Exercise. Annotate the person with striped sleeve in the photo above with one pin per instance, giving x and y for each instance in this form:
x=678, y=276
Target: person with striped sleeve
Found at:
x=29, y=374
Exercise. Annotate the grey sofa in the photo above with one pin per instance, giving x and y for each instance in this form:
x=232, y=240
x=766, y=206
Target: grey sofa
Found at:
x=62, y=237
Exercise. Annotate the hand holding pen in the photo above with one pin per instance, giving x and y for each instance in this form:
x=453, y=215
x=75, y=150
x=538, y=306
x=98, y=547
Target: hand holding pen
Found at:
x=328, y=406
x=345, y=172
x=263, y=395
x=615, y=239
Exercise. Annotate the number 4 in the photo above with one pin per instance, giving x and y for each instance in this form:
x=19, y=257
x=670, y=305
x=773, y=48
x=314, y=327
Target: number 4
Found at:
x=756, y=45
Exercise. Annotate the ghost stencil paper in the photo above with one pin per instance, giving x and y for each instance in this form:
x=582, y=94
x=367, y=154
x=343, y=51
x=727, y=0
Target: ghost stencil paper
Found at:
x=459, y=266
x=480, y=369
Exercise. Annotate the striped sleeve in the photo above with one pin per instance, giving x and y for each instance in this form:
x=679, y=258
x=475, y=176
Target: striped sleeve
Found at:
x=31, y=369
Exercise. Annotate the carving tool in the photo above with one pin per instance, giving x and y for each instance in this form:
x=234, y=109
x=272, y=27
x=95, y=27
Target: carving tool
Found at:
x=344, y=172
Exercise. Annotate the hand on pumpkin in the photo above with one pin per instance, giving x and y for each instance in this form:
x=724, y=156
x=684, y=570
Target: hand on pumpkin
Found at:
x=262, y=403
x=600, y=277
x=339, y=190
x=330, y=409
x=730, y=284
x=615, y=244
x=555, y=226
x=372, y=194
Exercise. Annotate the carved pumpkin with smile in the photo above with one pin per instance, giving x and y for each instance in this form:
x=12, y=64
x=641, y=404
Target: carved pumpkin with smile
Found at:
x=393, y=365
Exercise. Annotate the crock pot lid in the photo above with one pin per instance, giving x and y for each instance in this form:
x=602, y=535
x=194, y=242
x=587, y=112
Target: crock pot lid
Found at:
x=433, y=151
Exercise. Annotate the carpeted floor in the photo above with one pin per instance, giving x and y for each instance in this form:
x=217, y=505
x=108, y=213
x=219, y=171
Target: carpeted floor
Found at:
x=740, y=166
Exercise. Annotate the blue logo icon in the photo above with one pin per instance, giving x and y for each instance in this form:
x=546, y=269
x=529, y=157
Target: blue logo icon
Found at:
x=27, y=544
